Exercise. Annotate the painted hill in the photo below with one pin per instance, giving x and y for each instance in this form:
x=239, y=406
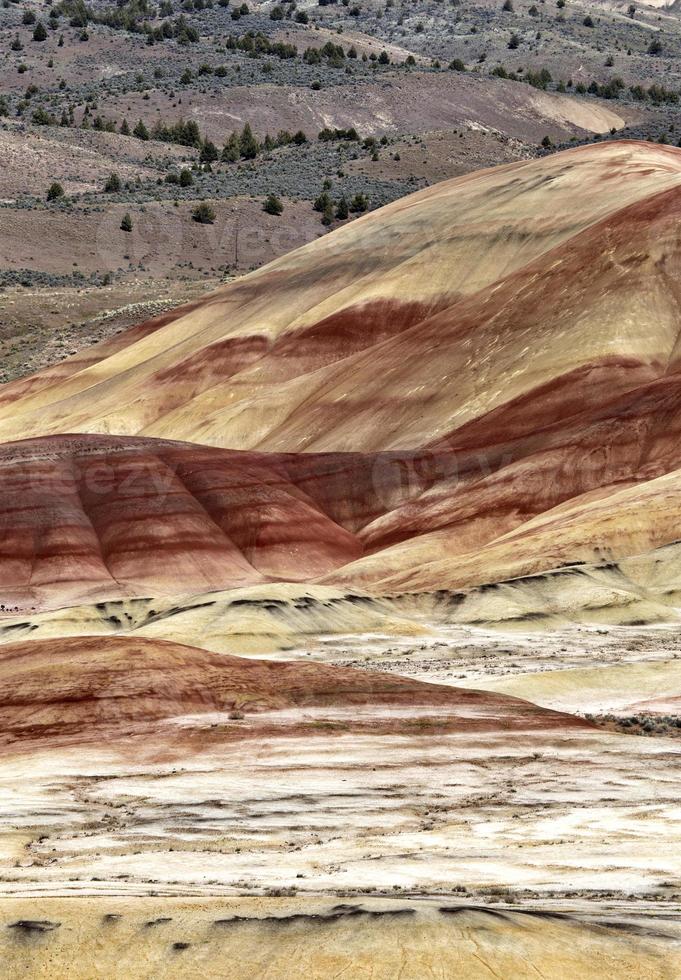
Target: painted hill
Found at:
x=528, y=290
x=475, y=384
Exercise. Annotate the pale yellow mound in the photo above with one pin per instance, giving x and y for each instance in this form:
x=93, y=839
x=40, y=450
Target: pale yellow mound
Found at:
x=619, y=688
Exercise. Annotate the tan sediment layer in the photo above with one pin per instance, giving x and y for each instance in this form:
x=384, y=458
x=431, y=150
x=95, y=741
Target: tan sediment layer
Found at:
x=321, y=939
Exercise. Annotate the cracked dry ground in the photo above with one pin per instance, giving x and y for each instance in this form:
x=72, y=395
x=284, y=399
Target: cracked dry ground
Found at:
x=505, y=854
x=542, y=813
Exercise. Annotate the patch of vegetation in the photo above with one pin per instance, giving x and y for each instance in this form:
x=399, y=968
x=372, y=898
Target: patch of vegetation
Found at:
x=255, y=44
x=112, y=184
x=327, y=135
x=640, y=724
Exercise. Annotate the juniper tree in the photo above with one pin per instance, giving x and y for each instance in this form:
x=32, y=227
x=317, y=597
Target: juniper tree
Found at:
x=232, y=149
x=113, y=184
x=248, y=143
x=141, y=131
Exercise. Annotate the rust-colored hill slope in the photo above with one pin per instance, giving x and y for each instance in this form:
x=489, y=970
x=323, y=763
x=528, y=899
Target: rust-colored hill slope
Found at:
x=93, y=517
x=105, y=684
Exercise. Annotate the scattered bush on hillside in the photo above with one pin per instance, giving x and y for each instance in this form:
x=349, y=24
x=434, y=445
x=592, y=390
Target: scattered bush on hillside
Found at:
x=332, y=54
x=538, y=79
x=209, y=152
x=184, y=133
x=55, y=191
x=255, y=43
x=248, y=144
x=500, y=72
x=141, y=131
x=231, y=152
x=41, y=117
x=203, y=214
x=103, y=125
x=327, y=215
x=273, y=205
x=322, y=202
x=134, y=16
